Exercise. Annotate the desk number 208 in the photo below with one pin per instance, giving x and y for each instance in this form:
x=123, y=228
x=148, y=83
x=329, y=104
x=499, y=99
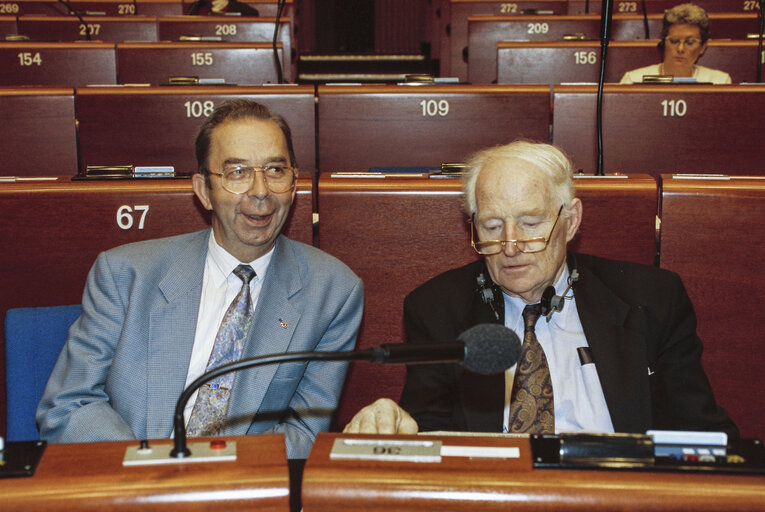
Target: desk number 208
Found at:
x=125, y=215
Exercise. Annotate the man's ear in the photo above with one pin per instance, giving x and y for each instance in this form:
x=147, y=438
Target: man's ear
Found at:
x=574, y=219
x=202, y=191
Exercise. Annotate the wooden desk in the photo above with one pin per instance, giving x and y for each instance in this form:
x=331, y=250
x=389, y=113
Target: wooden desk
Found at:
x=155, y=63
x=101, y=28
x=455, y=15
x=555, y=62
x=37, y=136
x=464, y=483
x=158, y=125
x=663, y=128
x=485, y=32
x=712, y=237
x=109, y=7
x=8, y=25
x=54, y=231
x=229, y=29
x=659, y=6
x=69, y=64
x=91, y=476
x=396, y=233
x=402, y=126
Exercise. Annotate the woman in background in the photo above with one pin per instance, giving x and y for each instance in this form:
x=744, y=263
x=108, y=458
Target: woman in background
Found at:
x=684, y=37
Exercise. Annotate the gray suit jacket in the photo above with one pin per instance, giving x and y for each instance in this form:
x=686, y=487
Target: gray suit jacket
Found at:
x=126, y=359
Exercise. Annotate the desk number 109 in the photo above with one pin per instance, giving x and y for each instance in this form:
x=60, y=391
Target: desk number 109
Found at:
x=432, y=108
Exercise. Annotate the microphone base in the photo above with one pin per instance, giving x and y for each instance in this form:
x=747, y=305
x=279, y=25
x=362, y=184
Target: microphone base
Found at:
x=212, y=450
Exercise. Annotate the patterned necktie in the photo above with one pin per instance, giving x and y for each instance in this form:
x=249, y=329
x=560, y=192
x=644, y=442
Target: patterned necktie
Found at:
x=531, y=400
x=209, y=412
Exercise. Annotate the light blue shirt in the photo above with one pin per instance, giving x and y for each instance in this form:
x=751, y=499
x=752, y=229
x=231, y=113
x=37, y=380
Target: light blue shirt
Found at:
x=578, y=395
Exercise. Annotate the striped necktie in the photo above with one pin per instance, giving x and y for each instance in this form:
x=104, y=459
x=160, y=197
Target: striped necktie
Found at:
x=210, y=408
x=532, y=408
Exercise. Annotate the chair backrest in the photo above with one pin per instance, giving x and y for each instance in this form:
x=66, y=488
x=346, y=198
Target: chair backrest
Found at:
x=33, y=341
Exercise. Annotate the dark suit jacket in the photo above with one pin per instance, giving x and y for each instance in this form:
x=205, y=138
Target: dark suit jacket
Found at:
x=639, y=323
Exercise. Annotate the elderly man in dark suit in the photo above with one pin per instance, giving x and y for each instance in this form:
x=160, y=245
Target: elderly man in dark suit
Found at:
x=619, y=353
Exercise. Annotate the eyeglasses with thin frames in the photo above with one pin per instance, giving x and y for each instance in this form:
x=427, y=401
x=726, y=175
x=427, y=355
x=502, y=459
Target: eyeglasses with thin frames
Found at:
x=691, y=43
x=527, y=245
x=238, y=179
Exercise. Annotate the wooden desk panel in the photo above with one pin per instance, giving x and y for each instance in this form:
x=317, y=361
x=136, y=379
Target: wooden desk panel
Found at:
x=456, y=38
x=484, y=32
x=71, y=222
x=712, y=236
x=8, y=25
x=68, y=64
x=555, y=62
x=101, y=28
x=266, y=8
x=482, y=484
x=158, y=125
x=37, y=136
x=402, y=126
x=420, y=231
x=722, y=25
x=659, y=6
x=109, y=7
x=229, y=29
x=155, y=63
x=663, y=128
x=91, y=477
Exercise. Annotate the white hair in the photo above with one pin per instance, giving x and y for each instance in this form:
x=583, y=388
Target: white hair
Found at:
x=551, y=161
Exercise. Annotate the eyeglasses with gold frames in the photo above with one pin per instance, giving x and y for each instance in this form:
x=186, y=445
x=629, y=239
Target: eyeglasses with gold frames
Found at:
x=238, y=179
x=527, y=245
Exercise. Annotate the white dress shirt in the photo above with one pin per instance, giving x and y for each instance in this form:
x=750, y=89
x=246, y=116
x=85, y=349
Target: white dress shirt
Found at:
x=577, y=393
x=219, y=288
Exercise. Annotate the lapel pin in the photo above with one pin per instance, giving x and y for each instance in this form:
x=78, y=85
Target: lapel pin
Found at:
x=282, y=323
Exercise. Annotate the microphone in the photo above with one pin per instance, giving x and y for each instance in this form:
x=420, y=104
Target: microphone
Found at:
x=606, y=15
x=71, y=11
x=287, y=58
x=484, y=348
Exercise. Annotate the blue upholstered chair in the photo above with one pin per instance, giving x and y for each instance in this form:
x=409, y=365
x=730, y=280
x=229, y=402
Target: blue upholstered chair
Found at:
x=33, y=341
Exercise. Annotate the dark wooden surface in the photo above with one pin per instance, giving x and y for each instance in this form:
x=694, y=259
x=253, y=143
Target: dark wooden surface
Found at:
x=110, y=7
x=91, y=477
x=264, y=7
x=230, y=28
x=68, y=64
x=8, y=24
x=155, y=63
x=455, y=15
x=384, y=126
x=102, y=28
x=483, y=484
x=121, y=125
x=37, y=135
x=396, y=233
x=717, y=134
x=556, y=62
x=712, y=235
x=54, y=231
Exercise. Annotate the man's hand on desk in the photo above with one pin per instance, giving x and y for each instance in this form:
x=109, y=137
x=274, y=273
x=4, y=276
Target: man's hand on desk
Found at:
x=381, y=417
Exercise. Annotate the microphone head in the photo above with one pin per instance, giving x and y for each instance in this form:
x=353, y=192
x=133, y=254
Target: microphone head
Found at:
x=490, y=348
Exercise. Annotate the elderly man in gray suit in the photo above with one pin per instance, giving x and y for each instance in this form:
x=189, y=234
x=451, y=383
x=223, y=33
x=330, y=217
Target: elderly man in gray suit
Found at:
x=157, y=314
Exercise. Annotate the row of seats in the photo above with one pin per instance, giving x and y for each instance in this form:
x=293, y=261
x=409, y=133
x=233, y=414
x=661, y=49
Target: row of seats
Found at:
x=420, y=232
x=125, y=7
x=518, y=62
x=647, y=128
x=93, y=63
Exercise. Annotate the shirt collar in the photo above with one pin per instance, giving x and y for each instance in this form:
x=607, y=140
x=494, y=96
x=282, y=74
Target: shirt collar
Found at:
x=514, y=305
x=223, y=263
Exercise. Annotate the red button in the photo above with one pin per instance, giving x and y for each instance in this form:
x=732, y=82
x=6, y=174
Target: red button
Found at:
x=217, y=444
